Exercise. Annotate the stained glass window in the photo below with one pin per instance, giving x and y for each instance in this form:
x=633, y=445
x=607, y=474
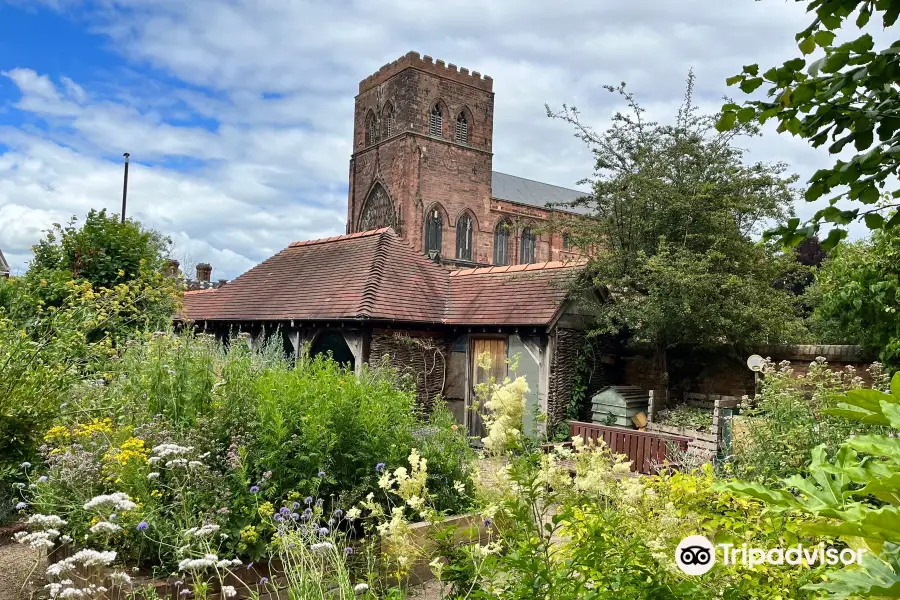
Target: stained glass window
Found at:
x=434, y=230
x=464, y=237
x=501, y=243
x=526, y=256
x=377, y=211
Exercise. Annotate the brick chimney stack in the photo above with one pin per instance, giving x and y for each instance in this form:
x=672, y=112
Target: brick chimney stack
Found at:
x=204, y=272
x=172, y=267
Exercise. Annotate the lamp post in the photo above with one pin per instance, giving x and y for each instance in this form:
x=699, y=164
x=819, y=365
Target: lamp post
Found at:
x=125, y=186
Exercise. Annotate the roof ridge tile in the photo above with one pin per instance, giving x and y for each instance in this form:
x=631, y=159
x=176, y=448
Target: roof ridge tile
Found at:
x=336, y=238
x=373, y=281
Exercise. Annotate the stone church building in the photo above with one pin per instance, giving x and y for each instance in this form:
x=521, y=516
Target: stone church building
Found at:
x=443, y=259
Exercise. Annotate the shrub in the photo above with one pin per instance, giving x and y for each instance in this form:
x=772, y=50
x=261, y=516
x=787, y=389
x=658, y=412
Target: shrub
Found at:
x=790, y=418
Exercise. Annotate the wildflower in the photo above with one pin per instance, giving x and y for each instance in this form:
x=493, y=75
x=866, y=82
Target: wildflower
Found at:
x=254, y=489
x=348, y=550
x=25, y=465
x=143, y=526
x=309, y=500
x=321, y=473
x=184, y=592
x=46, y=521
x=20, y=486
x=224, y=511
x=267, y=475
x=263, y=580
x=353, y=514
x=459, y=486
x=322, y=547
x=153, y=475
x=360, y=588
x=119, y=501
x=121, y=578
x=42, y=479
x=105, y=527
x=21, y=506
x=488, y=522
x=338, y=513
x=379, y=467
x=295, y=506
x=113, y=517
x=323, y=531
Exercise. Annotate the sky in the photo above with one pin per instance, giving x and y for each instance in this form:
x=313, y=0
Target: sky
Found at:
x=238, y=114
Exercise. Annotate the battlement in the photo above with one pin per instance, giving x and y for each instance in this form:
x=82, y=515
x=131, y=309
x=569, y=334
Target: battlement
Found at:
x=429, y=65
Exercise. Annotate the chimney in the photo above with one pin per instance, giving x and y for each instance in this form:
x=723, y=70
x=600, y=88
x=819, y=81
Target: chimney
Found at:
x=221, y=283
x=171, y=268
x=204, y=272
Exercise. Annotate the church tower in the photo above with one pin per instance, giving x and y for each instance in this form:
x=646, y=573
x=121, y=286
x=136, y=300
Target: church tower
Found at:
x=422, y=157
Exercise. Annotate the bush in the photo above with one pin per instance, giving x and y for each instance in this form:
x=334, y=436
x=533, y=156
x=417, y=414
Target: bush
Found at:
x=774, y=438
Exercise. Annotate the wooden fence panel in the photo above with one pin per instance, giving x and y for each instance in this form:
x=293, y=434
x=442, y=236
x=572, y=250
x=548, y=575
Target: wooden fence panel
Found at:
x=643, y=448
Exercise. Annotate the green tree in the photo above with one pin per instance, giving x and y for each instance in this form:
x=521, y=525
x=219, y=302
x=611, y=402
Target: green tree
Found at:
x=848, y=96
x=674, y=210
x=857, y=295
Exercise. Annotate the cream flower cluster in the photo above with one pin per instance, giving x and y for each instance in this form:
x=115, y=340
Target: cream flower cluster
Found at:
x=119, y=501
x=504, y=420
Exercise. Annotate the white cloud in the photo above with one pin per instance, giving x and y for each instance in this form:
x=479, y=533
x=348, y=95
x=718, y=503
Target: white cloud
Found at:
x=248, y=150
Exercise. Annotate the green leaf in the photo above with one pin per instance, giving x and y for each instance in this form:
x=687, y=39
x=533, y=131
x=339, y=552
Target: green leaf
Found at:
x=808, y=45
x=869, y=195
x=750, y=85
x=824, y=38
x=733, y=80
x=745, y=115
x=863, y=43
x=874, y=221
x=834, y=238
x=726, y=121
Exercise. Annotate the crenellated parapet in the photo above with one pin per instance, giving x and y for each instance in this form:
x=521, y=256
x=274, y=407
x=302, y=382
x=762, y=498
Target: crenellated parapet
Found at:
x=429, y=65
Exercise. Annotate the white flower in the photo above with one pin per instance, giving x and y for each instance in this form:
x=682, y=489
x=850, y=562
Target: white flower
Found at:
x=120, y=501
x=176, y=462
x=105, y=527
x=228, y=591
x=153, y=460
x=459, y=486
x=120, y=577
x=353, y=514
x=199, y=532
x=194, y=464
x=360, y=588
x=198, y=564
x=153, y=475
x=322, y=547
x=165, y=450
x=46, y=521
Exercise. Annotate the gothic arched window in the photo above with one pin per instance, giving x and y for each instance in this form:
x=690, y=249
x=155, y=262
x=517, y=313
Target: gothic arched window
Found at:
x=436, y=121
x=434, y=230
x=501, y=243
x=371, y=132
x=526, y=254
x=377, y=211
x=462, y=129
x=464, y=237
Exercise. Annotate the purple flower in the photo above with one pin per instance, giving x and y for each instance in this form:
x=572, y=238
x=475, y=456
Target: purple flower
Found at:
x=323, y=531
x=254, y=489
x=339, y=513
x=309, y=500
x=488, y=522
x=263, y=580
x=185, y=592
x=143, y=525
x=42, y=479
x=113, y=517
x=278, y=519
x=319, y=503
x=25, y=465
x=348, y=550
x=21, y=506
x=321, y=473
x=295, y=505
x=284, y=511
x=250, y=566
x=379, y=467
x=295, y=516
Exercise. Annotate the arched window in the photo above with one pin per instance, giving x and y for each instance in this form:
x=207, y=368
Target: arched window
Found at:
x=434, y=230
x=377, y=211
x=389, y=121
x=567, y=243
x=436, y=121
x=464, y=237
x=526, y=254
x=371, y=132
x=501, y=243
x=462, y=129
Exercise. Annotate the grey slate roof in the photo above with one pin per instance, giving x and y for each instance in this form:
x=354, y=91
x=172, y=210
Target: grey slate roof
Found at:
x=4, y=266
x=528, y=191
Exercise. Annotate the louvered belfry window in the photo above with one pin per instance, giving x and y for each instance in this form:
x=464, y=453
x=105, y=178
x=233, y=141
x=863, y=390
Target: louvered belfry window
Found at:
x=501, y=243
x=526, y=256
x=462, y=129
x=371, y=134
x=436, y=122
x=434, y=229
x=464, y=237
x=389, y=122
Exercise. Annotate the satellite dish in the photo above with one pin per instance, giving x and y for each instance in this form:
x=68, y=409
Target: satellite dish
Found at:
x=755, y=363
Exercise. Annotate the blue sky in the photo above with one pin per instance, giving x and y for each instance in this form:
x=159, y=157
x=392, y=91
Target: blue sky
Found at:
x=238, y=113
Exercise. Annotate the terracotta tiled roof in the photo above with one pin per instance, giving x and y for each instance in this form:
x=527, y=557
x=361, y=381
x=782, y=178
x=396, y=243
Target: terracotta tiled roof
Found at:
x=373, y=274
x=515, y=295
x=376, y=275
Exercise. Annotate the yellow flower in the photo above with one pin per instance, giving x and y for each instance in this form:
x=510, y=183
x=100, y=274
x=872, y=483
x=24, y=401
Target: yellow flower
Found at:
x=57, y=433
x=132, y=449
x=97, y=426
x=249, y=534
x=266, y=510
x=156, y=494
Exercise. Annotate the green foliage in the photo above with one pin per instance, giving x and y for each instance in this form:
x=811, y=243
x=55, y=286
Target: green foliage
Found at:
x=852, y=496
x=690, y=417
x=857, y=295
x=675, y=208
x=846, y=96
x=773, y=438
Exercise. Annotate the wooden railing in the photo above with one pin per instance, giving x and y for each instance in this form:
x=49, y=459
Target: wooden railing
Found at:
x=646, y=450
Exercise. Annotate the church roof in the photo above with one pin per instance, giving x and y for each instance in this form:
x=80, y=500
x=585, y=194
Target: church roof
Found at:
x=534, y=193
x=376, y=275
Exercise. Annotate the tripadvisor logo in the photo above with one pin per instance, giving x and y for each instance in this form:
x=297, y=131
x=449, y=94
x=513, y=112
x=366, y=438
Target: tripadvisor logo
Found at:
x=695, y=555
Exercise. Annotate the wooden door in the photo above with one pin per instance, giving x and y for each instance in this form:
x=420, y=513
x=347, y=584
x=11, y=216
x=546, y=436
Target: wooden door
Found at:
x=496, y=348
